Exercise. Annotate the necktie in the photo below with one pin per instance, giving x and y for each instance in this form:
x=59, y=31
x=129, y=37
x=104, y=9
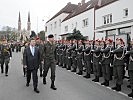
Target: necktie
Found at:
x=33, y=51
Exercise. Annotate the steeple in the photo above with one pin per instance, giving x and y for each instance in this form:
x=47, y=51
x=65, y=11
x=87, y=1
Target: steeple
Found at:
x=19, y=23
x=28, y=23
x=29, y=17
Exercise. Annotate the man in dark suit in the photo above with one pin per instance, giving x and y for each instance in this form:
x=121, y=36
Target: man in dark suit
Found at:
x=31, y=59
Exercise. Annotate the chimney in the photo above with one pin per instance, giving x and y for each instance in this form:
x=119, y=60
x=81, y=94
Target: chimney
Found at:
x=69, y=3
x=79, y=4
x=83, y=2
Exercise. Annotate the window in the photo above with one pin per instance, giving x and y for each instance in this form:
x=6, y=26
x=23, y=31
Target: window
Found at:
x=76, y=25
x=66, y=28
x=46, y=28
x=59, y=22
x=126, y=30
x=85, y=22
x=72, y=26
x=125, y=11
x=111, y=32
x=51, y=27
x=107, y=19
x=55, y=23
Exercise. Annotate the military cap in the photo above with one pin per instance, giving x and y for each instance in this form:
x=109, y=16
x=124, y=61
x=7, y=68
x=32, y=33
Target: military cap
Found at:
x=50, y=36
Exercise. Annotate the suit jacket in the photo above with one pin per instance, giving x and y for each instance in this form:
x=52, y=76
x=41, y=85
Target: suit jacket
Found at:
x=32, y=62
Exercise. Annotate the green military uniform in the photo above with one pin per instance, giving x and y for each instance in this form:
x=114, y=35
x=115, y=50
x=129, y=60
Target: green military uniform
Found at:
x=49, y=58
x=79, y=60
x=118, y=67
x=5, y=54
x=96, y=61
x=69, y=61
x=87, y=60
x=106, y=60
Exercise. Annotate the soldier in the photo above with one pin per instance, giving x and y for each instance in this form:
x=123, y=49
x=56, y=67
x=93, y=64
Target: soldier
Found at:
x=64, y=55
x=106, y=60
x=5, y=56
x=74, y=54
x=39, y=45
x=80, y=57
x=96, y=60
x=68, y=54
x=49, y=58
x=118, y=63
x=87, y=59
x=130, y=68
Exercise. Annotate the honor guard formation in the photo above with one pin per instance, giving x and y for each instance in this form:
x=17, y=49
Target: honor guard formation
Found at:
x=107, y=59
x=99, y=57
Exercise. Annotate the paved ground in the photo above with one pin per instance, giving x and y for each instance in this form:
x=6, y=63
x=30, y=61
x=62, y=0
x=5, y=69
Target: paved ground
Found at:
x=70, y=86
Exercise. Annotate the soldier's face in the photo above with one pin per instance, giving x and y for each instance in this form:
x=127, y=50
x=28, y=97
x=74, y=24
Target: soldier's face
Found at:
x=51, y=39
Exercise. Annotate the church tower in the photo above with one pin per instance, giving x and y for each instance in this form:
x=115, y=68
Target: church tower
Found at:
x=28, y=23
x=19, y=23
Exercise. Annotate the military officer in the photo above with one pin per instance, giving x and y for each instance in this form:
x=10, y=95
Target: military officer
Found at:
x=118, y=63
x=49, y=58
x=5, y=56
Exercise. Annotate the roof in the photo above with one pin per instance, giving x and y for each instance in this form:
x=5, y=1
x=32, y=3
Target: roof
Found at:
x=87, y=6
x=67, y=9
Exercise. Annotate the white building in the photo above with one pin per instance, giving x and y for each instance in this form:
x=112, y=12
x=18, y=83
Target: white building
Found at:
x=53, y=26
x=82, y=19
x=115, y=20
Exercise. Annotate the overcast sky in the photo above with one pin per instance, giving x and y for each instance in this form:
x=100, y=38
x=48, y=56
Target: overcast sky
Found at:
x=39, y=10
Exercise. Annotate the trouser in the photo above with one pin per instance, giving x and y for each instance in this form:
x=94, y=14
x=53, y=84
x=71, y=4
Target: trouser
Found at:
x=88, y=67
x=130, y=73
x=118, y=74
x=34, y=77
x=52, y=66
x=96, y=69
x=24, y=71
x=79, y=64
x=6, y=62
x=106, y=71
x=41, y=68
x=74, y=64
x=69, y=63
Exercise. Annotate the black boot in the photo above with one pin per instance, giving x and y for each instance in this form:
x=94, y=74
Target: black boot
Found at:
x=103, y=83
x=97, y=79
x=80, y=73
x=87, y=76
x=44, y=81
x=131, y=94
x=118, y=88
x=36, y=90
x=94, y=79
x=107, y=83
x=53, y=86
x=74, y=70
x=114, y=88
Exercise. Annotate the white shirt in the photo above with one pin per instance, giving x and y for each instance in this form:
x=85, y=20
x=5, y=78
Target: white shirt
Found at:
x=32, y=50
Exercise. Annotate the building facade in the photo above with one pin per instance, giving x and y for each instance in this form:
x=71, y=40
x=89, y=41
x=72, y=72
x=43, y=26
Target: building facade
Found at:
x=96, y=19
x=115, y=20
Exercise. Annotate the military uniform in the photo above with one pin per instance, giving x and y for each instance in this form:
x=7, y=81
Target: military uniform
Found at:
x=80, y=60
x=130, y=70
x=5, y=54
x=106, y=60
x=118, y=67
x=87, y=60
x=96, y=60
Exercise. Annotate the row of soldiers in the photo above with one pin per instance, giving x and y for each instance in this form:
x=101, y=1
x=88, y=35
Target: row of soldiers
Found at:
x=99, y=57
